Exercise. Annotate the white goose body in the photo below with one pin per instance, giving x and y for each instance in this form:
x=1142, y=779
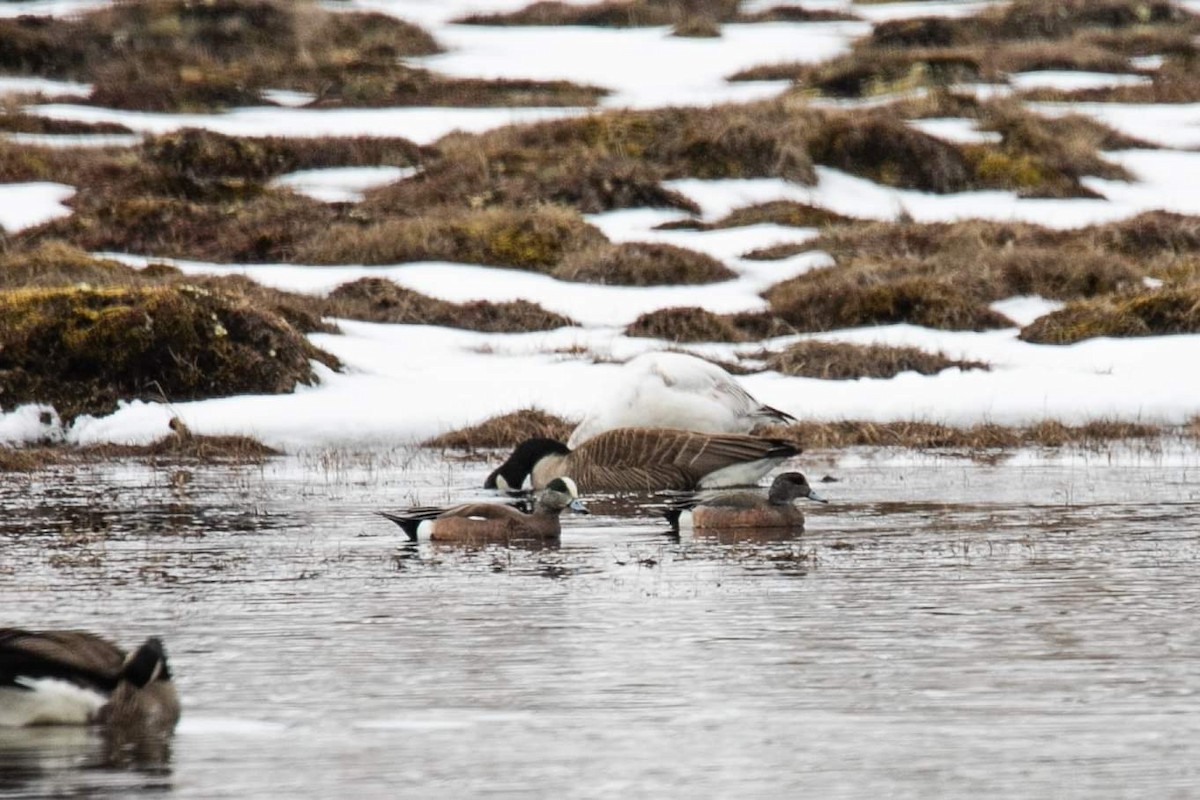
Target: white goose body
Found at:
x=47, y=701
x=675, y=390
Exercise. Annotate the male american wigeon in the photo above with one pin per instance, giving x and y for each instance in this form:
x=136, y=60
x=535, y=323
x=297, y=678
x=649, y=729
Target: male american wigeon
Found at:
x=747, y=509
x=495, y=522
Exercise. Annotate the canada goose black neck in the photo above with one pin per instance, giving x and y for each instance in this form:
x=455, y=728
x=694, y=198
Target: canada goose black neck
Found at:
x=146, y=664
x=520, y=464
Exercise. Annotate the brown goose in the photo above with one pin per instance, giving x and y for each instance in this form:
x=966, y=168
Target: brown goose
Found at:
x=495, y=522
x=747, y=509
x=645, y=459
x=77, y=678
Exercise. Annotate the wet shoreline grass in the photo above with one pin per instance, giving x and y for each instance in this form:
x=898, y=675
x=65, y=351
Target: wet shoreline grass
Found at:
x=490, y=440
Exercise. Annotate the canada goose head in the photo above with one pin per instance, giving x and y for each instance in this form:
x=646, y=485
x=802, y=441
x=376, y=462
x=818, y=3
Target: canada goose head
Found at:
x=146, y=664
x=519, y=466
x=791, y=486
x=559, y=494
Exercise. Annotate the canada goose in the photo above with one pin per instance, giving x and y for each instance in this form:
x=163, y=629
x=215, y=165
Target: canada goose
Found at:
x=77, y=678
x=644, y=459
x=676, y=390
x=495, y=522
x=747, y=509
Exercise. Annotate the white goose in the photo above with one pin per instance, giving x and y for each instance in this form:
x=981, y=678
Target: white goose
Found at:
x=676, y=390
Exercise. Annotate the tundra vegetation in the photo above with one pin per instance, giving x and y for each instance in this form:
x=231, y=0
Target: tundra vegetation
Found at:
x=515, y=197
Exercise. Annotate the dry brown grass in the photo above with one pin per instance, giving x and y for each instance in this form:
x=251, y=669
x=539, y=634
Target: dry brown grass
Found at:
x=946, y=274
x=380, y=300
x=777, y=252
x=177, y=55
x=1007, y=38
x=642, y=264
x=1152, y=313
x=845, y=361
x=536, y=239
x=704, y=16
x=921, y=435
x=685, y=324
x=506, y=430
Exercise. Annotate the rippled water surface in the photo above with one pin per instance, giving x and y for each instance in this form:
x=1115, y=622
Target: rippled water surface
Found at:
x=943, y=628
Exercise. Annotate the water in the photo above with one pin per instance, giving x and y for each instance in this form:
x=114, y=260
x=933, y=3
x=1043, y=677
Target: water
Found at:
x=943, y=628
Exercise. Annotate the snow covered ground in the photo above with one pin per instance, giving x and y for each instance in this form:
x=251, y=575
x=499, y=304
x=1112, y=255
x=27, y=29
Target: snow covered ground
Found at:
x=403, y=382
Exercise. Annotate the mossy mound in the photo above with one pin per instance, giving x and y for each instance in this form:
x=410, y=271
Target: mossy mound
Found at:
x=506, y=430
x=1155, y=313
x=642, y=264
x=82, y=350
x=609, y=160
x=534, y=239
x=782, y=212
x=178, y=55
x=845, y=361
x=380, y=300
x=55, y=263
x=826, y=300
x=685, y=324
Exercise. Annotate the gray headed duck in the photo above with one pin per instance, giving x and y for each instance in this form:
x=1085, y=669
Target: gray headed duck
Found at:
x=676, y=390
x=495, y=522
x=77, y=678
x=747, y=509
x=644, y=459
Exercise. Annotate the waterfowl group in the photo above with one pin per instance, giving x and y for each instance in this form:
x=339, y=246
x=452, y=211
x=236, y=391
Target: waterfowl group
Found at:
x=676, y=390
x=77, y=678
x=495, y=522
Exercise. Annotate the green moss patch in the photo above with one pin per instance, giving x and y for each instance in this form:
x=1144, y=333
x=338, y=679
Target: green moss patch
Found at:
x=380, y=300
x=82, y=350
x=1155, y=313
x=845, y=361
x=686, y=324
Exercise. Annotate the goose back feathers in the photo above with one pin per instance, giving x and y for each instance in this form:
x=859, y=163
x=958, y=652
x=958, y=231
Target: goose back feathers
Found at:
x=75, y=677
x=645, y=459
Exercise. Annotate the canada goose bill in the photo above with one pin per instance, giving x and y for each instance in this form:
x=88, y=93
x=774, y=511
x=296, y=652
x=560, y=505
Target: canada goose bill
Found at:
x=676, y=390
x=78, y=678
x=494, y=522
x=645, y=460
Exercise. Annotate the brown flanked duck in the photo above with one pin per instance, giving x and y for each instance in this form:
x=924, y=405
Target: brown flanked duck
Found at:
x=645, y=460
x=78, y=678
x=478, y=523
x=747, y=509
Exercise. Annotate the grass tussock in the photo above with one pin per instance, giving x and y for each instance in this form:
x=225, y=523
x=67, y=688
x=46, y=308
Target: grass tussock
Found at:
x=506, y=430
x=845, y=361
x=81, y=350
x=642, y=264
x=686, y=324
x=921, y=435
x=1153, y=313
x=177, y=55
x=610, y=160
x=535, y=239
x=1001, y=40
x=380, y=300
x=946, y=274
x=686, y=17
